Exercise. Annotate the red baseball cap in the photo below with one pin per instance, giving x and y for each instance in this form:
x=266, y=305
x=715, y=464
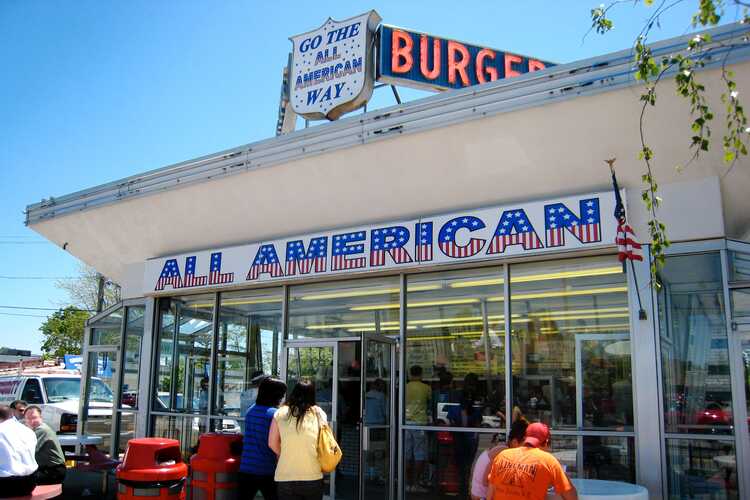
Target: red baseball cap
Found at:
x=536, y=435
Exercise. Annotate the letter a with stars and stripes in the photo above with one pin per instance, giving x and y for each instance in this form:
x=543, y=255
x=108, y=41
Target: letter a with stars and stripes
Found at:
x=559, y=219
x=315, y=257
x=514, y=228
x=170, y=275
x=423, y=241
x=391, y=241
x=215, y=276
x=447, y=237
x=266, y=261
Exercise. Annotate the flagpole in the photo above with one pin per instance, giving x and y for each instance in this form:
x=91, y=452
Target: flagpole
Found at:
x=641, y=311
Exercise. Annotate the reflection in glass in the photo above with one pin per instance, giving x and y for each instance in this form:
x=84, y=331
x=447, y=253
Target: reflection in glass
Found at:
x=101, y=377
x=455, y=336
x=694, y=351
x=184, y=429
x=245, y=319
x=701, y=469
x=745, y=349
x=107, y=330
x=610, y=458
x=739, y=266
x=565, y=450
x=552, y=305
x=132, y=361
x=607, y=384
x=741, y=303
x=127, y=431
x=344, y=309
x=314, y=364
x=185, y=334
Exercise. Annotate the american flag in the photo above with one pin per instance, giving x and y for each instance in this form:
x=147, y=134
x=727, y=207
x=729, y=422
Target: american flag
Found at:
x=447, y=237
x=170, y=275
x=390, y=240
x=627, y=246
x=298, y=259
x=340, y=250
x=586, y=228
x=190, y=278
x=266, y=261
x=216, y=276
x=423, y=241
x=514, y=228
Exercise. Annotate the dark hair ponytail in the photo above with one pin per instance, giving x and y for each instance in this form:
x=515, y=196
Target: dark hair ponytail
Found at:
x=300, y=400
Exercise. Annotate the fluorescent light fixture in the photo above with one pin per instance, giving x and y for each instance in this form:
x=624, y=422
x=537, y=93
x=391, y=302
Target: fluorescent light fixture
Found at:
x=579, y=311
x=365, y=293
x=563, y=293
x=581, y=316
x=601, y=271
x=349, y=325
x=472, y=283
x=447, y=302
x=597, y=328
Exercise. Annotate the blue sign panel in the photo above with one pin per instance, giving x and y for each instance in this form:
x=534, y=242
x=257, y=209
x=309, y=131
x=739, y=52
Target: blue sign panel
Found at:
x=428, y=62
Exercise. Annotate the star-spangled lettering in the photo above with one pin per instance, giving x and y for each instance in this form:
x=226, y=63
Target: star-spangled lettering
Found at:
x=343, y=247
x=423, y=241
x=559, y=219
x=447, y=237
x=514, y=228
x=170, y=275
x=392, y=241
x=215, y=276
x=297, y=259
x=265, y=261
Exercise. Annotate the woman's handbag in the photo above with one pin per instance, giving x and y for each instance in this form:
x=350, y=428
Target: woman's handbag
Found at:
x=329, y=451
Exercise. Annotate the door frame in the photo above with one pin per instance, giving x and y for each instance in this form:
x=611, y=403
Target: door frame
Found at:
x=393, y=418
x=334, y=343
x=739, y=331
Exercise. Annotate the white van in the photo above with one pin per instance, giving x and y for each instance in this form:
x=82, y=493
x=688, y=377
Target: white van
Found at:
x=58, y=395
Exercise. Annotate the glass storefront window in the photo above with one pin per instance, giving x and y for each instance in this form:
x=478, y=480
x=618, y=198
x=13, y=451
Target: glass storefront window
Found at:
x=455, y=349
x=132, y=357
x=694, y=350
x=107, y=330
x=739, y=266
x=249, y=321
x=609, y=457
x=344, y=309
x=127, y=431
x=701, y=469
x=186, y=430
x=185, y=335
x=569, y=339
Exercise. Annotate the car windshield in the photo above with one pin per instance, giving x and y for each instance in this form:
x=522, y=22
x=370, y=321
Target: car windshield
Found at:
x=60, y=389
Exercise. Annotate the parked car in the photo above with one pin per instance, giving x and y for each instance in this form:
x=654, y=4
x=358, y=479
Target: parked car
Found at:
x=58, y=395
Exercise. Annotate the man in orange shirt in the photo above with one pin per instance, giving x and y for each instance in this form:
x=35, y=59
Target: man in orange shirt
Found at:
x=528, y=471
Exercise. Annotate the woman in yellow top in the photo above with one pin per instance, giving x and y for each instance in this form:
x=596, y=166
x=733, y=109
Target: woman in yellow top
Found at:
x=294, y=438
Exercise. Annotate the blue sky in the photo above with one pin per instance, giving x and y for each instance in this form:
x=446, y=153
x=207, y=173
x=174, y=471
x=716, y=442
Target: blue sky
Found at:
x=92, y=91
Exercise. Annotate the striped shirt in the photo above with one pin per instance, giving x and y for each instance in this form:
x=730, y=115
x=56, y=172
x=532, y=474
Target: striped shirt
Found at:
x=257, y=457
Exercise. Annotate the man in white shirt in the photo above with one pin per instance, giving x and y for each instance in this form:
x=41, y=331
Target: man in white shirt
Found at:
x=17, y=463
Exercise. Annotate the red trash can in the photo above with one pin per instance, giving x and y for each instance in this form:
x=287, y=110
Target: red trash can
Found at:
x=153, y=467
x=215, y=466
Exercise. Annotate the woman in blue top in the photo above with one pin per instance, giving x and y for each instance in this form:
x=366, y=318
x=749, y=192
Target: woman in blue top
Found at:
x=258, y=462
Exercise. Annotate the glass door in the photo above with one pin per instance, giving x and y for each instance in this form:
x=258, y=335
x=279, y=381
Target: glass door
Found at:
x=315, y=362
x=376, y=478
x=101, y=380
x=740, y=348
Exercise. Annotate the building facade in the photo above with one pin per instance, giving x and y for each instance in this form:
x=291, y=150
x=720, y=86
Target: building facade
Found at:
x=438, y=269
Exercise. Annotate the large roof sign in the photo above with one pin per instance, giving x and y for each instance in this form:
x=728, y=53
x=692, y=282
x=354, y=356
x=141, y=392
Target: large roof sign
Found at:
x=431, y=63
x=331, y=70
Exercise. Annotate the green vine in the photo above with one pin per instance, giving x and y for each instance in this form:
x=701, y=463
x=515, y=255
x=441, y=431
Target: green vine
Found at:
x=650, y=72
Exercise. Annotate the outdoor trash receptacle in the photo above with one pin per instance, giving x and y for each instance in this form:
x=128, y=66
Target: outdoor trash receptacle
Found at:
x=153, y=467
x=215, y=466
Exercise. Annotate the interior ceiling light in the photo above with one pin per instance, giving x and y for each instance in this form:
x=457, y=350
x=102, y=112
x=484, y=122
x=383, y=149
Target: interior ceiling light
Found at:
x=579, y=311
x=581, y=316
x=562, y=293
x=394, y=305
x=364, y=293
x=595, y=328
x=601, y=271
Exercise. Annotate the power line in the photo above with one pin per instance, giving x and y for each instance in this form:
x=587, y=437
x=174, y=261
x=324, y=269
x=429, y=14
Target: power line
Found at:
x=39, y=277
x=26, y=315
x=43, y=308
